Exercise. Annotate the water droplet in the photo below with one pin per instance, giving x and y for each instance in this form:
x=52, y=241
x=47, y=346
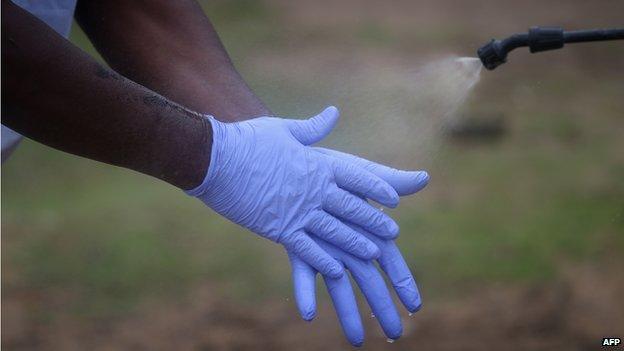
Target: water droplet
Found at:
x=381, y=209
x=410, y=314
x=288, y=299
x=390, y=341
x=372, y=315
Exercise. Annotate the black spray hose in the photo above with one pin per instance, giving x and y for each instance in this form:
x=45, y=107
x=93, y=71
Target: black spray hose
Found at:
x=539, y=39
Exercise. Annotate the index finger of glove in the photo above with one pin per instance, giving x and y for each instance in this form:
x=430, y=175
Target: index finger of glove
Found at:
x=393, y=264
x=364, y=183
x=404, y=182
x=346, y=308
x=374, y=288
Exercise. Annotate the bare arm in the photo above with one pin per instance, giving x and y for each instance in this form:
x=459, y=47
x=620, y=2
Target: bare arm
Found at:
x=56, y=94
x=172, y=48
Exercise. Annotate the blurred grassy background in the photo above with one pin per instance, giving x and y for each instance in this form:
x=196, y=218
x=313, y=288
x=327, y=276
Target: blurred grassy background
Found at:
x=90, y=251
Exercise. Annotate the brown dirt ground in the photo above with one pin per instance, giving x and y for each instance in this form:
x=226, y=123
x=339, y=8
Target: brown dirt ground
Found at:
x=573, y=313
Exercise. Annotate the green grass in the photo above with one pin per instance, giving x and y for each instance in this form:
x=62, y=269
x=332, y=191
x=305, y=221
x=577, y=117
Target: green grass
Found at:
x=115, y=237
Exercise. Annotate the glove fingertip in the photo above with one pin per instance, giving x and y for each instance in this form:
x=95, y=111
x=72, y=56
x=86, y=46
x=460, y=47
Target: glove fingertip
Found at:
x=390, y=197
x=375, y=251
x=394, y=200
x=355, y=335
x=393, y=230
x=314, y=129
x=416, y=308
x=357, y=342
x=390, y=323
x=395, y=333
x=328, y=118
x=409, y=182
x=414, y=304
x=336, y=271
x=308, y=314
x=419, y=181
x=331, y=110
x=422, y=179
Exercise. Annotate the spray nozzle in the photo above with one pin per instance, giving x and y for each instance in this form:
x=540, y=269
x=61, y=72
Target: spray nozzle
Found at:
x=538, y=39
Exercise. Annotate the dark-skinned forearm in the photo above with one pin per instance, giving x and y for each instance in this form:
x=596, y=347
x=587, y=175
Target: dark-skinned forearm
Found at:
x=172, y=48
x=56, y=94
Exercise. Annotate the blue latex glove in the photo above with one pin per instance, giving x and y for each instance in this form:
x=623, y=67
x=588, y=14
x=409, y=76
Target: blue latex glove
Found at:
x=264, y=177
x=364, y=272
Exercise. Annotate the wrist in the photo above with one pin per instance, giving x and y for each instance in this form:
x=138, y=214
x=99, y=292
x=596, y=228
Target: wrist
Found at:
x=218, y=130
x=186, y=159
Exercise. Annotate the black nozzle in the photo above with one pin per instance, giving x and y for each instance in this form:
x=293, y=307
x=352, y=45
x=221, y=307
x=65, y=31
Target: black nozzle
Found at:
x=538, y=39
x=492, y=55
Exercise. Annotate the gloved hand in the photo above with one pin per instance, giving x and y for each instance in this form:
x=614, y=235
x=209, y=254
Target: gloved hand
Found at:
x=364, y=272
x=264, y=177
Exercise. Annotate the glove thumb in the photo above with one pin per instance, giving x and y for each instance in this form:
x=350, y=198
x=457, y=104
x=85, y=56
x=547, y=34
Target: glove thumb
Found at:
x=312, y=130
